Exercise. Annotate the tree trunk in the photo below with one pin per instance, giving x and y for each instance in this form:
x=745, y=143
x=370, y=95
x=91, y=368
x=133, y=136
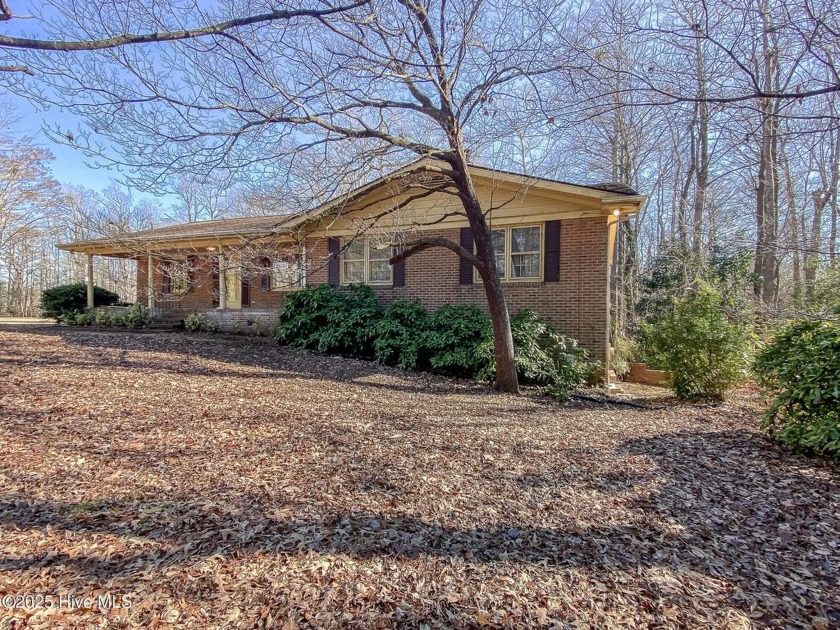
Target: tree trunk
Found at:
x=812, y=256
x=767, y=190
x=702, y=159
x=506, y=378
x=767, y=215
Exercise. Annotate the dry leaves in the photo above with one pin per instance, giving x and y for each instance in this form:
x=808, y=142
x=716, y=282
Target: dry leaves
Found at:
x=225, y=482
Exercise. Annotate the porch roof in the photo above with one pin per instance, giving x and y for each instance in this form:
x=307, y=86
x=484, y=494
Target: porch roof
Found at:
x=210, y=233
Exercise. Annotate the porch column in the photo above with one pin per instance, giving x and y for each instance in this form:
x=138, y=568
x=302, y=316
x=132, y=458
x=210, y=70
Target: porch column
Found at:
x=150, y=283
x=222, y=282
x=90, y=302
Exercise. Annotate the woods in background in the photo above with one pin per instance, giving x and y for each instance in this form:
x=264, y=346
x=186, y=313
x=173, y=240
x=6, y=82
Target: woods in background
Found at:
x=726, y=114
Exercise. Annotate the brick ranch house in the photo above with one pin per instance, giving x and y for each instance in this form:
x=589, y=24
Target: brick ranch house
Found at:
x=554, y=244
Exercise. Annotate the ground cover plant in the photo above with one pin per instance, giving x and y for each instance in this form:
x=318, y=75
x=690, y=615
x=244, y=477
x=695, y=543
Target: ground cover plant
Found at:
x=228, y=482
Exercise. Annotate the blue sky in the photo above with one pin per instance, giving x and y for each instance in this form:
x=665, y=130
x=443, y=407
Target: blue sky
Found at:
x=70, y=166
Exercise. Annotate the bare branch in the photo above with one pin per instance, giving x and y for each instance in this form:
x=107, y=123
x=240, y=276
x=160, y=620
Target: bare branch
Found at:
x=166, y=36
x=421, y=244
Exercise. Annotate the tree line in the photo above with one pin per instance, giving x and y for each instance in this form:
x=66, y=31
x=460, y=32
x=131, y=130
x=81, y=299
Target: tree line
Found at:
x=725, y=113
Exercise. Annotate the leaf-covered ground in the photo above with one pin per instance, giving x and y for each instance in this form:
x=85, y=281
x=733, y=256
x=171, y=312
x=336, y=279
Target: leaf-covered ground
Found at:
x=225, y=482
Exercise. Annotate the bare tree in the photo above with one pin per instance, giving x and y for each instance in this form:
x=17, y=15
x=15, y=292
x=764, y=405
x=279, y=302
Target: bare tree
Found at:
x=380, y=84
x=201, y=199
x=686, y=98
x=94, y=20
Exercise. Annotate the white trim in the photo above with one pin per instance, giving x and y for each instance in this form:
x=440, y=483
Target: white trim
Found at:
x=508, y=266
x=366, y=261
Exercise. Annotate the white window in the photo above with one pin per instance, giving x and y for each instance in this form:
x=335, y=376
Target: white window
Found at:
x=518, y=252
x=288, y=273
x=525, y=253
x=176, y=277
x=366, y=261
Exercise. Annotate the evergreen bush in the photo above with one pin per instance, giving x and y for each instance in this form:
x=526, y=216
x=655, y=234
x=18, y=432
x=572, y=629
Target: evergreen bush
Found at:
x=706, y=351
x=72, y=298
x=801, y=365
x=455, y=340
x=199, y=322
x=396, y=339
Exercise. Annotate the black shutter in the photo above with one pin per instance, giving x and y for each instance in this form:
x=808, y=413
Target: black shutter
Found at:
x=245, y=299
x=399, y=273
x=167, y=279
x=191, y=263
x=551, y=253
x=332, y=266
x=265, y=275
x=216, y=283
x=466, y=269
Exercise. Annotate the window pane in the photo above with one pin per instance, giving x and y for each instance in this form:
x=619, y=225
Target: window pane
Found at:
x=500, y=264
x=179, y=277
x=497, y=237
x=355, y=250
x=286, y=273
x=525, y=239
x=380, y=271
x=525, y=265
x=379, y=252
x=354, y=271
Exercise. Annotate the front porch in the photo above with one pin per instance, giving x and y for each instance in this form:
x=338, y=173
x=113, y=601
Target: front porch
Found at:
x=233, y=289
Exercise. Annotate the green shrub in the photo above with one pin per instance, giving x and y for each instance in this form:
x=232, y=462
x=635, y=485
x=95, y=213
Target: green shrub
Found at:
x=81, y=319
x=330, y=321
x=728, y=271
x=255, y=328
x=351, y=323
x=453, y=341
x=303, y=315
x=72, y=298
x=199, y=322
x=543, y=356
x=802, y=367
x=135, y=317
x=456, y=340
x=624, y=352
x=705, y=352
x=396, y=334
x=102, y=318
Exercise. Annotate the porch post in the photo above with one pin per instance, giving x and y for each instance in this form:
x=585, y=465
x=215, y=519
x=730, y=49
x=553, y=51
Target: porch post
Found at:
x=90, y=302
x=222, y=282
x=150, y=283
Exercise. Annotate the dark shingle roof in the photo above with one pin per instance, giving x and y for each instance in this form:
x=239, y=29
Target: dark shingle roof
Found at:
x=279, y=224
x=616, y=187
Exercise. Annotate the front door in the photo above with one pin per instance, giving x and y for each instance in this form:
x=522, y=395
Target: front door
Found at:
x=233, y=287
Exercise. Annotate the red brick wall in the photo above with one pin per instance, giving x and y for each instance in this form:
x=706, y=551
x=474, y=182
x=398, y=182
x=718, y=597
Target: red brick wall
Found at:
x=577, y=305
